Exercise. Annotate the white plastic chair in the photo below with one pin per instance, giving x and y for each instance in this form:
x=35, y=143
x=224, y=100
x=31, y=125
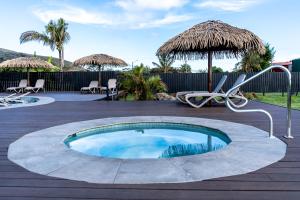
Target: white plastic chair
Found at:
x=39, y=85
x=93, y=86
x=22, y=85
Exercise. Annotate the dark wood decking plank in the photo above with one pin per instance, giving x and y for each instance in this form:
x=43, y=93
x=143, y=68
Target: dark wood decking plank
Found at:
x=146, y=194
x=277, y=181
x=205, y=185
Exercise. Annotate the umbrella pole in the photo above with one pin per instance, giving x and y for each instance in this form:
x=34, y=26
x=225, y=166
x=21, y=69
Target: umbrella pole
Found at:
x=28, y=77
x=99, y=76
x=209, y=74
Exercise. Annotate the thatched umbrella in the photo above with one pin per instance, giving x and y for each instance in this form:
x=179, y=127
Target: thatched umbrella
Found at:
x=26, y=63
x=211, y=39
x=100, y=60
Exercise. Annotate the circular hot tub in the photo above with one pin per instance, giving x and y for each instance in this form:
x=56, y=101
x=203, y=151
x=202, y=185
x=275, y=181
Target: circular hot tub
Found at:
x=27, y=101
x=146, y=149
x=147, y=140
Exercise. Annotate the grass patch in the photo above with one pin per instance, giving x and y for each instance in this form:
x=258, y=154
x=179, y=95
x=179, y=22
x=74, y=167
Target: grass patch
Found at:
x=271, y=98
x=278, y=99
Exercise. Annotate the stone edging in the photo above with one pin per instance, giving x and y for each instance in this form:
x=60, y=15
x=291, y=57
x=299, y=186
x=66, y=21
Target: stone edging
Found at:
x=45, y=153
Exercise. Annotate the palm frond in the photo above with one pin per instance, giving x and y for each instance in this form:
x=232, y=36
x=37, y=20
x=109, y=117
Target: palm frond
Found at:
x=36, y=36
x=67, y=37
x=156, y=64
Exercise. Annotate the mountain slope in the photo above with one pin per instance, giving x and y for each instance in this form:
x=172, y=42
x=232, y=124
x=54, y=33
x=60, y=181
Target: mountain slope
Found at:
x=6, y=54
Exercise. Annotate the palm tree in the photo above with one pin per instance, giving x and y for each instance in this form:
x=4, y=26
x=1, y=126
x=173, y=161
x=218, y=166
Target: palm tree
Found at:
x=55, y=36
x=164, y=63
x=249, y=63
x=253, y=62
x=268, y=57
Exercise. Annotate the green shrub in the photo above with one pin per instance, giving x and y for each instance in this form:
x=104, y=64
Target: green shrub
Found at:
x=135, y=83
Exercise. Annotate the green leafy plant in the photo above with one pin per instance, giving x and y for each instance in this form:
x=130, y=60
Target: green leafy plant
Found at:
x=216, y=69
x=50, y=60
x=135, y=83
x=185, y=68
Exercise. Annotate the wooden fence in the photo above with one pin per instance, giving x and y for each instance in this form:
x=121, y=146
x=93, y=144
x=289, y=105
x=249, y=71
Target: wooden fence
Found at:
x=73, y=81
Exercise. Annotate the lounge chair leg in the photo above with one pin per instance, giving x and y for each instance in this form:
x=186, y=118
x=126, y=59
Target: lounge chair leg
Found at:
x=198, y=106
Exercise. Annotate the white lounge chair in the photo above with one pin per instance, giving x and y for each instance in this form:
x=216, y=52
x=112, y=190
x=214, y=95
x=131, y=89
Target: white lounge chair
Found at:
x=111, y=86
x=20, y=88
x=94, y=85
x=218, y=97
x=180, y=96
x=11, y=95
x=4, y=101
x=39, y=85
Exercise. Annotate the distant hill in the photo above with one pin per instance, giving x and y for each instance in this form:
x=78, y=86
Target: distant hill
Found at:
x=6, y=54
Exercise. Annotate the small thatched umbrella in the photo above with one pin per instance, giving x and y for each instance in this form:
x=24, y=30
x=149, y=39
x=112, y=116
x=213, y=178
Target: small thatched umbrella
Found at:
x=211, y=39
x=100, y=60
x=27, y=63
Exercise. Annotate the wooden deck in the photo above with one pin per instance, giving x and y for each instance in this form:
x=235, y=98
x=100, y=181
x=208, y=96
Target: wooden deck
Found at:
x=278, y=181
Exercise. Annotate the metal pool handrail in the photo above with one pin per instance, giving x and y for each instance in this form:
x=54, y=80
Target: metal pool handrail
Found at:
x=289, y=123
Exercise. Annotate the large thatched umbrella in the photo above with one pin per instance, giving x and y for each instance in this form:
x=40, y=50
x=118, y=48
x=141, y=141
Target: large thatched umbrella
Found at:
x=26, y=63
x=100, y=60
x=211, y=39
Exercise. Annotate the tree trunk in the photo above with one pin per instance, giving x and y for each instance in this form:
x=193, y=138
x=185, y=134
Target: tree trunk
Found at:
x=62, y=60
x=28, y=77
x=61, y=69
x=59, y=56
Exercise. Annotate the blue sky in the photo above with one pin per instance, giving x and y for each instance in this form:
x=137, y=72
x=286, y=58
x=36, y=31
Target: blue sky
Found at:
x=135, y=29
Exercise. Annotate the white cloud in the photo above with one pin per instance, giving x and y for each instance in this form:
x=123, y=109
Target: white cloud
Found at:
x=73, y=14
x=150, y=4
x=117, y=19
x=168, y=19
x=228, y=5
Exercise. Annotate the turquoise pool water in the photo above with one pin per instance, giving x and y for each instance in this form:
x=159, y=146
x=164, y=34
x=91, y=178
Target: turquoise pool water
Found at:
x=147, y=140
